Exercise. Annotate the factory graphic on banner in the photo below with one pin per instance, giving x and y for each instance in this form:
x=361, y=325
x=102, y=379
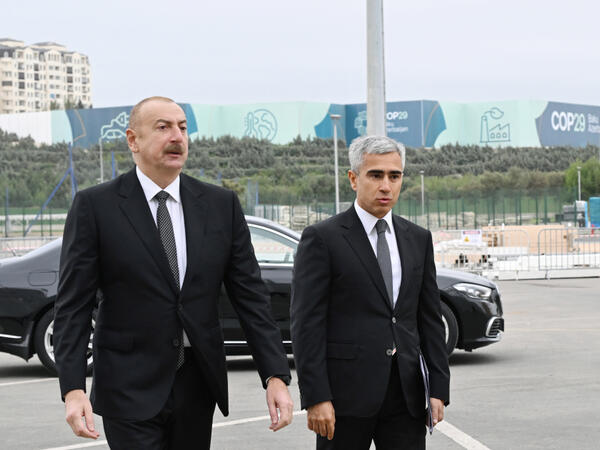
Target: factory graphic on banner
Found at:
x=492, y=130
x=261, y=124
x=116, y=129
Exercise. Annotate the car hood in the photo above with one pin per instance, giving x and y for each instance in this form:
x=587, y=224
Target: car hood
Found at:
x=44, y=258
x=448, y=277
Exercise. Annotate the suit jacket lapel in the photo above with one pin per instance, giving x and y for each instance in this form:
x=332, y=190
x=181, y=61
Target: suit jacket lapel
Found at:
x=135, y=208
x=359, y=242
x=402, y=239
x=194, y=212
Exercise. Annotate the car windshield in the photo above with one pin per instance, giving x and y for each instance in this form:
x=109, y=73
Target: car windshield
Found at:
x=272, y=247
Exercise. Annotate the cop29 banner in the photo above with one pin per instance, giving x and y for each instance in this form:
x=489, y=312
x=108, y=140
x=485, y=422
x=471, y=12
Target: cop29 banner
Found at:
x=569, y=124
x=415, y=123
x=494, y=124
x=419, y=123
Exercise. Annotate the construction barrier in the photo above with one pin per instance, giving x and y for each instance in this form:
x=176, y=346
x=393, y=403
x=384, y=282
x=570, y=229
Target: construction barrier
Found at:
x=569, y=248
x=482, y=250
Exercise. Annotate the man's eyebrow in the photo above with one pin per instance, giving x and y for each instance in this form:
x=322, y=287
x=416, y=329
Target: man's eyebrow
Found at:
x=167, y=121
x=380, y=171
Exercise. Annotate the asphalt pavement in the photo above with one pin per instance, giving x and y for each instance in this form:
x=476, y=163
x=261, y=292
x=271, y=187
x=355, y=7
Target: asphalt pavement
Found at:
x=536, y=389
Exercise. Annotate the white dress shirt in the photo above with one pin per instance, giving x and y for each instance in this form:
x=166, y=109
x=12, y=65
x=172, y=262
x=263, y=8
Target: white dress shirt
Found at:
x=175, y=209
x=368, y=221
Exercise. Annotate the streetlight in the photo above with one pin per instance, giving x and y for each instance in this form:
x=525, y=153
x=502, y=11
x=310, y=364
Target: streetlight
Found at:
x=579, y=183
x=375, y=69
x=422, y=172
x=334, y=119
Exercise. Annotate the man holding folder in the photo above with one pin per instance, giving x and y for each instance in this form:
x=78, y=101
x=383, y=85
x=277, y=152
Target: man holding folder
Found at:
x=365, y=316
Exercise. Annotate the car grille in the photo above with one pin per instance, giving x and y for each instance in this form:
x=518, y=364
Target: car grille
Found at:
x=495, y=327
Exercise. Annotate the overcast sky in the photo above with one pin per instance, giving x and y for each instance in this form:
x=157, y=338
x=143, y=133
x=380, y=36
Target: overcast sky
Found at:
x=226, y=51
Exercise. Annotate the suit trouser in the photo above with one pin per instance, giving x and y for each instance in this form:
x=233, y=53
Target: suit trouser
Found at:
x=185, y=422
x=393, y=428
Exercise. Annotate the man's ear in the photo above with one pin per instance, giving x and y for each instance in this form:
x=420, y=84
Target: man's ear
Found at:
x=131, y=142
x=352, y=177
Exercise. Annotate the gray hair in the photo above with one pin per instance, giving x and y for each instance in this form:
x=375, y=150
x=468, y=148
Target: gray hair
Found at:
x=372, y=145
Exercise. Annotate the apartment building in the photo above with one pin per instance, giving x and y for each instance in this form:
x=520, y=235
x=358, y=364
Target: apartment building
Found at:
x=42, y=76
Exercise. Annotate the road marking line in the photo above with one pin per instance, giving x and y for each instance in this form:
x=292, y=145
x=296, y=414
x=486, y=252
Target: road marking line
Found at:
x=37, y=380
x=458, y=436
x=215, y=425
x=86, y=445
x=461, y=438
x=250, y=419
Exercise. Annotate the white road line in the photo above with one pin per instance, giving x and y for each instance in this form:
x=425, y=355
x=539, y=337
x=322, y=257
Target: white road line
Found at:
x=250, y=419
x=461, y=438
x=37, y=380
x=86, y=445
x=215, y=425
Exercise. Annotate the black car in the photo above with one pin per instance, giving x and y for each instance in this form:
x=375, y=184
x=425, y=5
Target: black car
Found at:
x=471, y=306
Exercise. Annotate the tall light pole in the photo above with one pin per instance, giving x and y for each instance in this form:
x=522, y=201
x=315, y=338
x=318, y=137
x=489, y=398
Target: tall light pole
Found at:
x=579, y=183
x=334, y=119
x=375, y=69
x=422, y=172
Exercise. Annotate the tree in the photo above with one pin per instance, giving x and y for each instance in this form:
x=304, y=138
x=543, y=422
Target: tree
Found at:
x=590, y=177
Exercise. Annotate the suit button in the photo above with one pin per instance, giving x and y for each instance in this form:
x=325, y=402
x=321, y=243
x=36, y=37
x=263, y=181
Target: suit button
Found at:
x=175, y=342
x=393, y=320
x=389, y=352
x=180, y=307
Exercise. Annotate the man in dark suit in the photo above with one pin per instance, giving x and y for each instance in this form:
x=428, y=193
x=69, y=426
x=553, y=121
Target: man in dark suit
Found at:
x=158, y=245
x=365, y=306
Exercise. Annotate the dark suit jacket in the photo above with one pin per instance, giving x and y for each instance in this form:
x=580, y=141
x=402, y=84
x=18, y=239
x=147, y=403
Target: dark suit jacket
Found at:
x=111, y=243
x=343, y=325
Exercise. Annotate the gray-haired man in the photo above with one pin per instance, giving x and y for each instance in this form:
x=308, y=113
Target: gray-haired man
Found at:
x=365, y=315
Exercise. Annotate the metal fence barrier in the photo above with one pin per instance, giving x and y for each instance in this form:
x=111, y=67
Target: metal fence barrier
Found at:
x=482, y=251
x=530, y=249
x=486, y=252
x=569, y=248
x=297, y=217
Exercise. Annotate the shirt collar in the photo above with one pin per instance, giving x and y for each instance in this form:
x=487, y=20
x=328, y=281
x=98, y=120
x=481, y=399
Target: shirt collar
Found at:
x=369, y=220
x=150, y=188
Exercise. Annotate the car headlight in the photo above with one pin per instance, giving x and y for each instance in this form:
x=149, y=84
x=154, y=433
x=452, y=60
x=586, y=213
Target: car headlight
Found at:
x=474, y=290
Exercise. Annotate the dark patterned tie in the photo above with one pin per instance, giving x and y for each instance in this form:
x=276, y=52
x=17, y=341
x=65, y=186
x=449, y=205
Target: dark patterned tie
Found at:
x=167, y=236
x=384, y=260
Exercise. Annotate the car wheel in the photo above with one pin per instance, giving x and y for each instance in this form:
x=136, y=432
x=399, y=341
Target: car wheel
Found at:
x=450, y=327
x=44, y=342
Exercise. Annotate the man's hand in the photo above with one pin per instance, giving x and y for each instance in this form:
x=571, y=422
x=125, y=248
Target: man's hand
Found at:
x=278, y=398
x=437, y=410
x=79, y=414
x=320, y=418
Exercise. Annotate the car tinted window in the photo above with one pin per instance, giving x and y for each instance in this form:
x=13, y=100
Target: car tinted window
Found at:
x=272, y=247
